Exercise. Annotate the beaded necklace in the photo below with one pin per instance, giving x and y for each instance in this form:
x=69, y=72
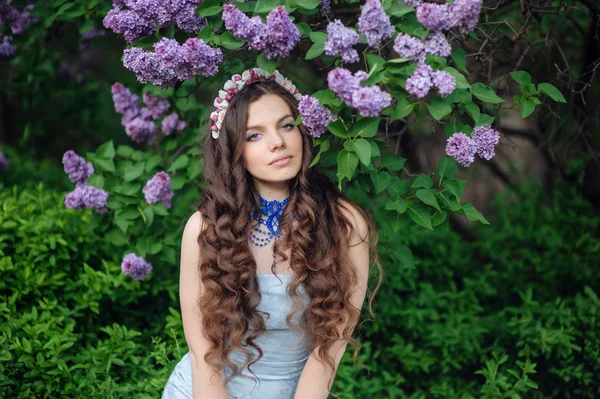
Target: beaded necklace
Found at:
x=270, y=217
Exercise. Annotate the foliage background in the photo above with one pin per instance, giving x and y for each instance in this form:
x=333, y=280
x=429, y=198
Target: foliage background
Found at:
x=505, y=310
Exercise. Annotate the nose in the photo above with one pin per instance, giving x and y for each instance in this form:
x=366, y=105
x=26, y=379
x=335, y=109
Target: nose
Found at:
x=276, y=141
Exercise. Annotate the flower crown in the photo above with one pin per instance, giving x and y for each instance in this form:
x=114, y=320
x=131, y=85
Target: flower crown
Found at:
x=236, y=83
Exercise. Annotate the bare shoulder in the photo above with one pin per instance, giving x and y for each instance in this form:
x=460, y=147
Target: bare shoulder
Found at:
x=194, y=225
x=356, y=216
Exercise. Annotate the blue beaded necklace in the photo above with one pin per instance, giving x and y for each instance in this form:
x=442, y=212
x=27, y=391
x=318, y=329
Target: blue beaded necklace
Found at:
x=271, y=211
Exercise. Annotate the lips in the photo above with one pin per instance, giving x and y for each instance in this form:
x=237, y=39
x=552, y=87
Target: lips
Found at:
x=280, y=158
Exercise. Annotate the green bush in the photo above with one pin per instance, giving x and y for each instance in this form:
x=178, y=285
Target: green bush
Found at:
x=512, y=315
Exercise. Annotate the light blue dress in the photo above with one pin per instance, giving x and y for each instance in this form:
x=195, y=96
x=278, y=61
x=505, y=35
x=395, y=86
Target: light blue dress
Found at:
x=284, y=356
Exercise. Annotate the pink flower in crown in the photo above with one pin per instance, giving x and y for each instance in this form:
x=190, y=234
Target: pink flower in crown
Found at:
x=214, y=116
x=246, y=75
x=238, y=81
x=220, y=118
x=220, y=103
x=287, y=84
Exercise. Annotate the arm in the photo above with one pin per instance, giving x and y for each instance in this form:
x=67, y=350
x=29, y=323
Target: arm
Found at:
x=315, y=376
x=204, y=379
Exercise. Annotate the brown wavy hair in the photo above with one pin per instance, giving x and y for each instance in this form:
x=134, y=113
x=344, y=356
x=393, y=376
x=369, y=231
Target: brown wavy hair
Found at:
x=318, y=246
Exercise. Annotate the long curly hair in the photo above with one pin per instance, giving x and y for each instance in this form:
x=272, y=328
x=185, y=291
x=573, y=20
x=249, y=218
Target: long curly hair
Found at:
x=318, y=245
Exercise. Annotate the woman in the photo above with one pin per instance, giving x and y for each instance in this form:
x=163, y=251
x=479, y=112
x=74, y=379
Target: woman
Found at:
x=275, y=262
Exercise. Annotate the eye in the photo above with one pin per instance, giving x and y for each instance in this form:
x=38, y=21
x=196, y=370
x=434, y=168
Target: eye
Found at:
x=291, y=126
x=251, y=136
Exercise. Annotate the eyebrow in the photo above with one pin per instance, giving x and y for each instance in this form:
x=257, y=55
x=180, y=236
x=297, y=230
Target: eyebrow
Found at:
x=278, y=122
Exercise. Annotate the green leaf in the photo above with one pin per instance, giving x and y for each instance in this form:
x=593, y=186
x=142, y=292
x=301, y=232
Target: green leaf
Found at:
x=419, y=213
x=96, y=181
x=265, y=6
x=159, y=209
x=124, y=151
x=318, y=37
x=316, y=50
x=326, y=97
x=423, y=181
x=439, y=218
x=459, y=57
x=128, y=213
x=106, y=150
x=521, y=77
x=403, y=108
x=552, y=92
x=439, y=108
x=105, y=164
x=304, y=28
x=228, y=41
x=461, y=80
x=380, y=180
x=527, y=108
x=375, y=151
x=403, y=252
x=363, y=150
x=152, y=162
x=399, y=205
x=474, y=111
x=455, y=187
x=148, y=216
x=266, y=64
x=397, y=8
x=178, y=181
x=347, y=163
x=323, y=147
x=134, y=171
x=473, y=214
x=366, y=127
x=459, y=96
x=392, y=162
x=447, y=167
x=338, y=129
x=374, y=61
x=427, y=196
x=485, y=119
x=181, y=162
x=485, y=93
x=397, y=187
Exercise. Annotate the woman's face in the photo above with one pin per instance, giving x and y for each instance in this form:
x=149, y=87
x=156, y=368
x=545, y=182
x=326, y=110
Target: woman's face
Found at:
x=270, y=135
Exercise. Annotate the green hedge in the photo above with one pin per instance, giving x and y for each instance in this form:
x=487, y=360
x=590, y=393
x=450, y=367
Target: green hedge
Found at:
x=494, y=318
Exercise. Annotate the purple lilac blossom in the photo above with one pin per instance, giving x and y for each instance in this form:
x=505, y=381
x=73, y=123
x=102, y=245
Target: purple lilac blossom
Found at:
x=135, y=266
x=250, y=29
x=343, y=83
x=281, y=34
x=157, y=106
x=169, y=50
x=437, y=44
x=141, y=129
x=129, y=24
x=369, y=101
x=158, y=189
x=444, y=82
x=123, y=99
x=420, y=83
x=485, y=139
x=199, y=58
x=85, y=196
x=314, y=116
x=468, y=14
x=7, y=49
x=188, y=20
x=172, y=123
x=325, y=7
x=462, y=148
x=3, y=162
x=148, y=67
x=92, y=33
x=340, y=41
x=413, y=3
x=18, y=20
x=408, y=46
x=436, y=17
x=374, y=23
x=75, y=166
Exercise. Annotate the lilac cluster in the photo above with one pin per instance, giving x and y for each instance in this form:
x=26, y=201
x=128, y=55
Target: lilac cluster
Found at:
x=135, y=266
x=172, y=62
x=83, y=196
x=369, y=101
x=75, y=166
x=314, y=116
x=374, y=23
x=138, y=122
x=463, y=14
x=325, y=7
x=158, y=189
x=277, y=37
x=464, y=148
x=141, y=17
x=340, y=41
x=3, y=162
x=18, y=21
x=424, y=77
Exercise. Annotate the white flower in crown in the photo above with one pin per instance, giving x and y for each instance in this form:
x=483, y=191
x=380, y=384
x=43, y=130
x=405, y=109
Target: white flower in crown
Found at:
x=298, y=96
x=239, y=82
x=214, y=116
x=221, y=103
x=230, y=84
x=262, y=73
x=221, y=116
x=215, y=134
x=246, y=75
x=287, y=84
x=223, y=94
x=280, y=79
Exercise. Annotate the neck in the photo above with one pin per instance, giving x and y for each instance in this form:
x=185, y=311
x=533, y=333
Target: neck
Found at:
x=272, y=192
